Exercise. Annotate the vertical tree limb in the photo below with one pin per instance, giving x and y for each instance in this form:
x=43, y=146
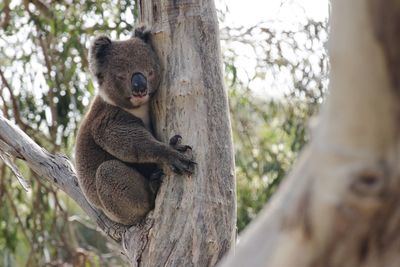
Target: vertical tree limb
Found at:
x=193, y=223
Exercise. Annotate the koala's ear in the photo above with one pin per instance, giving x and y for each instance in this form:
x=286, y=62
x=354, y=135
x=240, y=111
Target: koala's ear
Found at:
x=99, y=52
x=101, y=48
x=143, y=32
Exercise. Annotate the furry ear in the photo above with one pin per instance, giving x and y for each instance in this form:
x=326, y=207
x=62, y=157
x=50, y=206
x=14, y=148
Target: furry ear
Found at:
x=143, y=32
x=99, y=52
x=101, y=48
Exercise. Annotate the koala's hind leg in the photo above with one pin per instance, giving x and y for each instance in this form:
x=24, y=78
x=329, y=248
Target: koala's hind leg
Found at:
x=123, y=192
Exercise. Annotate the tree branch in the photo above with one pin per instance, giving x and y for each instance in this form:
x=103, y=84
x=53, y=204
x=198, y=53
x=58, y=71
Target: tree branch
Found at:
x=6, y=11
x=56, y=169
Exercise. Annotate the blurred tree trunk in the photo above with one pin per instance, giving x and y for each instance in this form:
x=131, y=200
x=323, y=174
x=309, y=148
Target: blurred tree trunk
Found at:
x=340, y=205
x=193, y=223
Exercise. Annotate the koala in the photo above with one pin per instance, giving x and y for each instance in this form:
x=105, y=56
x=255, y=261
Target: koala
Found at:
x=119, y=162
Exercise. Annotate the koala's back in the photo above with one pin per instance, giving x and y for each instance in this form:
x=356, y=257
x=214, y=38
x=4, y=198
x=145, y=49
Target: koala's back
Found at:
x=88, y=154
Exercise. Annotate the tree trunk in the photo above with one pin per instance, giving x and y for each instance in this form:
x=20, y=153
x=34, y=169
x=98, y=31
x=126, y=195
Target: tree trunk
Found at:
x=193, y=223
x=339, y=207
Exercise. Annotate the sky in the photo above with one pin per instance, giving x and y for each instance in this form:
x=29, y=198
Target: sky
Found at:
x=288, y=11
x=280, y=14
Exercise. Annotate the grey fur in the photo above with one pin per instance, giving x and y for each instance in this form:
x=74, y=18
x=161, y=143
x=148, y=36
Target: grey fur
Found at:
x=118, y=159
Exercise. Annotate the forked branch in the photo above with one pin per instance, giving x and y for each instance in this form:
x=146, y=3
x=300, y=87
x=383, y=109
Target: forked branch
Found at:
x=56, y=169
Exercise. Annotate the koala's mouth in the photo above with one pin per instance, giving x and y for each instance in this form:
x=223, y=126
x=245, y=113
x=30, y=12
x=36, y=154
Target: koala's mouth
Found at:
x=140, y=94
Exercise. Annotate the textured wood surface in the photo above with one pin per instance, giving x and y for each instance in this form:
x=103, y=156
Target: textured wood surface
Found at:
x=193, y=223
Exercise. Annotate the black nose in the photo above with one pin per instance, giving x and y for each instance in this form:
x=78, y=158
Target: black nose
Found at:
x=139, y=83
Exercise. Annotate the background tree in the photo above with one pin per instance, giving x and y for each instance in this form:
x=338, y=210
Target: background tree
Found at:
x=339, y=206
x=45, y=227
x=185, y=208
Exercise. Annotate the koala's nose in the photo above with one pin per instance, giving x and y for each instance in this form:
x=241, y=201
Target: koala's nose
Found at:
x=139, y=83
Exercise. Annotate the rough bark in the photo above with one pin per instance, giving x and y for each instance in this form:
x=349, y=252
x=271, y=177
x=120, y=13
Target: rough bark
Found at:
x=339, y=206
x=193, y=223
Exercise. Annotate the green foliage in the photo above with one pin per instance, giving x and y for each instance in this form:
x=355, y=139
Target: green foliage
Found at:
x=270, y=131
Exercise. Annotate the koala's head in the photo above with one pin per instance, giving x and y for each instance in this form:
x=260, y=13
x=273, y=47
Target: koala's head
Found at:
x=128, y=72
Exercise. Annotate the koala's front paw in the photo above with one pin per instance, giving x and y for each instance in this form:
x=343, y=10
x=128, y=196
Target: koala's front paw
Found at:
x=182, y=159
x=181, y=163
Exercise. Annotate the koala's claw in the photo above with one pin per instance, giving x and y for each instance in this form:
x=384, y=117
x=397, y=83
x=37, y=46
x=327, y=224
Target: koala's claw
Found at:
x=176, y=143
x=182, y=162
x=155, y=180
x=183, y=165
x=183, y=148
x=175, y=140
x=176, y=169
x=180, y=170
x=157, y=175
